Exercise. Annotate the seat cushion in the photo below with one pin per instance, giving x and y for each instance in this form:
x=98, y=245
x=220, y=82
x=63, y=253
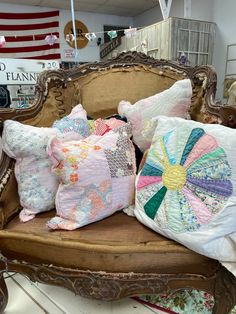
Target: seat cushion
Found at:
x=118, y=243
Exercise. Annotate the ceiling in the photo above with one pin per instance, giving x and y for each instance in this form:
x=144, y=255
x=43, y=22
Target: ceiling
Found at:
x=114, y=7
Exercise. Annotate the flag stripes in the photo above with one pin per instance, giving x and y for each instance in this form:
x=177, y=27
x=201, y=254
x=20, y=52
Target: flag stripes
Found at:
x=25, y=35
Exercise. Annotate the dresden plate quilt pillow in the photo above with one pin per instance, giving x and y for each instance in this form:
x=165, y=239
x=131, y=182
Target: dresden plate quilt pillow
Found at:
x=27, y=144
x=173, y=102
x=186, y=189
x=96, y=178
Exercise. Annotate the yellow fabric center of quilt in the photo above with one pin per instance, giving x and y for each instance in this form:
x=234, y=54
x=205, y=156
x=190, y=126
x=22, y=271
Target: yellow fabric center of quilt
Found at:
x=174, y=177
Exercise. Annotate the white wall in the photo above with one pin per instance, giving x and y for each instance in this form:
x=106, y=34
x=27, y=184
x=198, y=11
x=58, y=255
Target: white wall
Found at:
x=94, y=23
x=201, y=10
x=148, y=17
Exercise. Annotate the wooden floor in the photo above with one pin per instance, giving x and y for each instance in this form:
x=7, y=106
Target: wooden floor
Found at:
x=30, y=298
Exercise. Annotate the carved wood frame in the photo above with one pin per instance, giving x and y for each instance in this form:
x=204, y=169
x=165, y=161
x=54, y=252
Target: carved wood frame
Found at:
x=125, y=59
x=113, y=286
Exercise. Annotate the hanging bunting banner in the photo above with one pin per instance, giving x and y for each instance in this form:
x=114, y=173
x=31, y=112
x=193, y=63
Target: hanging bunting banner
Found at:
x=130, y=32
x=51, y=39
x=90, y=36
x=70, y=38
x=2, y=41
x=112, y=34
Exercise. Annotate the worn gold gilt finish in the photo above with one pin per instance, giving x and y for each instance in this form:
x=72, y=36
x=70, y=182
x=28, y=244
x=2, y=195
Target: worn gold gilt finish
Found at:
x=116, y=257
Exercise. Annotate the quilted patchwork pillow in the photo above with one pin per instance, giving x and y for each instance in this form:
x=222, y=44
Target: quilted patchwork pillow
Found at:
x=186, y=189
x=173, y=102
x=96, y=178
x=37, y=186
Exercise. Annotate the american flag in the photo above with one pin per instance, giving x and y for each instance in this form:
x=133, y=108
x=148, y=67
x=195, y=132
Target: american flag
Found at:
x=25, y=35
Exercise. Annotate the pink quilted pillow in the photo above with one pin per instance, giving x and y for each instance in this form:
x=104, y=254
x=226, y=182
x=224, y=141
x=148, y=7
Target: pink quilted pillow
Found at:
x=173, y=102
x=97, y=178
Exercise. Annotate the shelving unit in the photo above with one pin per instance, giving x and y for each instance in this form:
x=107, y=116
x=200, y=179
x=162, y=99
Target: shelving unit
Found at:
x=169, y=38
x=230, y=68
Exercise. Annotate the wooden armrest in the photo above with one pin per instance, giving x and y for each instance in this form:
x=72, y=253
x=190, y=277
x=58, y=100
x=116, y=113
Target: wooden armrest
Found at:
x=228, y=116
x=9, y=198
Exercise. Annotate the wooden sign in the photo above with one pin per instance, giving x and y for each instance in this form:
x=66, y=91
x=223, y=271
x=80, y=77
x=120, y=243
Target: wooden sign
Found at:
x=110, y=46
x=81, y=30
x=20, y=71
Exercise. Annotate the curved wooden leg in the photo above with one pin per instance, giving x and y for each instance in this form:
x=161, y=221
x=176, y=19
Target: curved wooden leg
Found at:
x=224, y=292
x=3, y=293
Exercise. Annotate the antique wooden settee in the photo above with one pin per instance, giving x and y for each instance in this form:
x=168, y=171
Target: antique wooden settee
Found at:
x=116, y=257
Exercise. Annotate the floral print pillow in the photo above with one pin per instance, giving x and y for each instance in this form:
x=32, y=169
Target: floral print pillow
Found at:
x=97, y=178
x=186, y=188
x=27, y=144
